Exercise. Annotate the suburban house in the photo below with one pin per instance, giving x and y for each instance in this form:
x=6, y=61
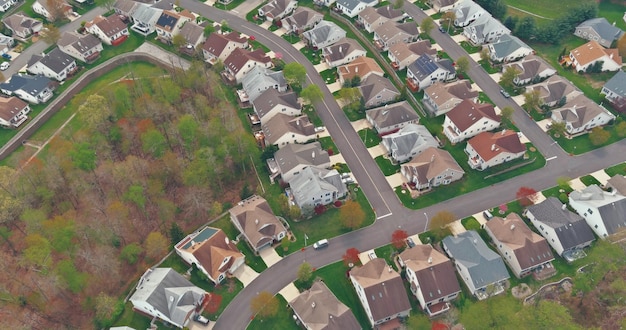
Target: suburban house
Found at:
x=241, y=61
x=218, y=46
x=316, y=186
x=481, y=269
x=258, y=80
x=469, y=119
x=169, y=23
x=409, y=141
x=618, y=183
x=581, y=114
x=342, y=52
x=603, y=211
x=614, y=91
x=555, y=90
x=272, y=102
x=600, y=30
x=318, y=308
x=282, y=130
x=32, y=89
x=428, y=69
x=532, y=69
x=402, y=55
x=392, y=117
x=212, y=252
x=326, y=3
x=362, y=67
x=254, y=218
x=110, y=30
x=352, y=8
x=521, y=248
x=566, y=231
x=164, y=294
x=381, y=291
x=22, y=26
x=432, y=168
x=441, y=6
x=302, y=19
x=431, y=276
x=6, y=4
x=377, y=90
x=508, y=48
x=466, y=12
x=292, y=159
x=125, y=7
x=439, y=98
x=56, y=65
x=83, y=47
x=391, y=33
x=323, y=34
x=13, y=112
x=585, y=56
x=6, y=43
x=490, y=149
x=193, y=34
x=371, y=18
x=145, y=19
x=277, y=9
x=484, y=30
x=52, y=10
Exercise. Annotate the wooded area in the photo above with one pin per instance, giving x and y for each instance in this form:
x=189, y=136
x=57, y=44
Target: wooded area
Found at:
x=96, y=207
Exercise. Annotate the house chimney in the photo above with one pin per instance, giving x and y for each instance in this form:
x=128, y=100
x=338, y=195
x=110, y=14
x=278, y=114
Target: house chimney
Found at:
x=512, y=227
x=430, y=260
x=493, y=147
x=432, y=158
x=504, y=130
x=313, y=304
x=389, y=268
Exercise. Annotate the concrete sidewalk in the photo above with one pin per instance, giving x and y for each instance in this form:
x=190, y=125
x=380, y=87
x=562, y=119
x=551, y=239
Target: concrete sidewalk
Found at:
x=269, y=256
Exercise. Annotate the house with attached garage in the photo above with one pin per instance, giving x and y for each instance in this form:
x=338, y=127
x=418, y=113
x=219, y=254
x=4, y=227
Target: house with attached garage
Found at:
x=302, y=19
x=426, y=70
x=342, y=52
x=323, y=34
x=360, y=68
x=402, y=55
x=371, y=18
x=282, y=130
x=555, y=90
x=125, y=7
x=254, y=218
x=316, y=186
x=6, y=4
x=352, y=8
x=532, y=69
x=432, y=168
x=380, y=291
x=600, y=30
x=22, y=26
x=466, y=12
x=193, y=34
x=292, y=159
x=490, y=149
x=212, y=252
x=521, y=248
x=13, y=112
x=170, y=22
x=431, y=277
x=164, y=294
x=258, y=80
x=581, y=114
x=242, y=61
x=587, y=55
x=441, y=6
x=318, y=308
x=617, y=183
x=481, y=269
x=484, y=30
x=277, y=9
x=145, y=18
x=56, y=65
x=469, y=119
x=377, y=90
x=391, y=117
x=83, y=47
x=508, y=48
x=614, y=91
x=439, y=98
x=565, y=231
x=604, y=211
x=218, y=46
x=6, y=43
x=32, y=89
x=272, y=102
x=52, y=10
x=391, y=33
x=110, y=30
x=408, y=142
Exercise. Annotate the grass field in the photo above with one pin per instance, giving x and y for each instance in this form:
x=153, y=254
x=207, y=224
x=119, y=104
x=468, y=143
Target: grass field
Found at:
x=545, y=8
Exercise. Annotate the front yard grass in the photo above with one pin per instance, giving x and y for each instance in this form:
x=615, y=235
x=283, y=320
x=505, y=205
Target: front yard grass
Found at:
x=386, y=166
x=328, y=144
x=254, y=261
x=487, y=66
x=354, y=114
x=291, y=38
x=329, y=76
x=582, y=143
x=282, y=319
x=234, y=4
x=369, y=137
x=484, y=98
x=588, y=180
x=314, y=56
x=470, y=223
x=469, y=48
x=616, y=169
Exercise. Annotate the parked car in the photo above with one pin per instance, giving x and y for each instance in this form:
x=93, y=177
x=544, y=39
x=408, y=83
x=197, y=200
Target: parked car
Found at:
x=505, y=93
x=320, y=244
x=201, y=319
x=6, y=56
x=4, y=65
x=442, y=30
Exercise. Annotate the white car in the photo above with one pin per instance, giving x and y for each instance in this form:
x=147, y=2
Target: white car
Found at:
x=5, y=65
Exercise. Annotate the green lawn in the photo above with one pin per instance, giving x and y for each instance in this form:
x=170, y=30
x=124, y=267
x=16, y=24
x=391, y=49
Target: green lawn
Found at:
x=545, y=8
x=372, y=137
x=314, y=56
x=470, y=223
x=588, y=180
x=616, y=169
x=329, y=76
x=484, y=98
x=581, y=144
x=386, y=166
x=328, y=144
x=613, y=12
x=469, y=48
x=309, y=110
x=282, y=320
x=354, y=114
x=291, y=38
x=487, y=66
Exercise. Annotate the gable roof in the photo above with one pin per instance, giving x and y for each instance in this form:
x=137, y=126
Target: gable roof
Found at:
x=555, y=88
x=467, y=113
x=383, y=288
x=125, y=6
x=259, y=79
x=392, y=29
x=56, y=60
x=30, y=84
x=430, y=164
x=20, y=22
x=530, y=66
x=603, y=28
x=441, y=93
x=11, y=106
x=342, y=48
x=282, y=124
x=570, y=228
x=216, y=42
x=323, y=31
x=617, y=84
x=352, y=4
x=592, y=51
x=110, y=25
x=484, y=265
x=403, y=50
x=258, y=222
x=488, y=145
x=191, y=32
x=271, y=98
x=434, y=271
x=467, y=8
x=319, y=309
x=360, y=67
x=579, y=111
x=507, y=45
x=293, y=155
x=80, y=42
x=307, y=185
x=239, y=57
x=612, y=207
x=618, y=182
x=410, y=137
x=144, y=13
x=530, y=249
x=302, y=16
x=375, y=84
x=275, y=7
x=426, y=64
x=486, y=24
x=393, y=114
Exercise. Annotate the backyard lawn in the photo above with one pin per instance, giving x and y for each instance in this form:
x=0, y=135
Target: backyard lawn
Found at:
x=545, y=8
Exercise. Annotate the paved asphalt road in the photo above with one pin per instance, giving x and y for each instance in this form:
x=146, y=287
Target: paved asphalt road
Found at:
x=391, y=214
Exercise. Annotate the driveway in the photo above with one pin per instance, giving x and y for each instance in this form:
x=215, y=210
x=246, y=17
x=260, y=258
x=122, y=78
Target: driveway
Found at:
x=245, y=275
x=290, y=292
x=395, y=180
x=245, y=7
x=576, y=184
x=601, y=176
x=456, y=228
x=269, y=256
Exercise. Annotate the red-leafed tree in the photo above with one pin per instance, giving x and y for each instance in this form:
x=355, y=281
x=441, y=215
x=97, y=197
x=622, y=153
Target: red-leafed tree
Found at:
x=525, y=195
x=398, y=238
x=214, y=303
x=351, y=256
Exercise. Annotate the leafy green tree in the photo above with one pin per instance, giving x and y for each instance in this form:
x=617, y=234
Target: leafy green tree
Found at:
x=448, y=19
x=418, y=321
x=208, y=29
x=484, y=54
x=179, y=41
x=312, y=93
x=532, y=100
x=563, y=182
x=295, y=73
x=462, y=64
x=557, y=128
x=107, y=4
x=428, y=24
x=130, y=253
x=188, y=130
x=621, y=129
x=37, y=252
x=397, y=4
x=153, y=142
x=84, y=157
x=135, y=194
x=526, y=28
x=349, y=95
x=506, y=113
x=60, y=231
x=176, y=234
x=75, y=280
x=305, y=272
x=439, y=223
x=95, y=112
x=295, y=212
x=599, y=136
x=508, y=76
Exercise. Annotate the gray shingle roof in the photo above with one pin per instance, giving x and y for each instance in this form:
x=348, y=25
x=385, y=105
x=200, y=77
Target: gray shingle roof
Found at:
x=617, y=84
x=322, y=31
x=427, y=64
x=411, y=137
x=612, y=208
x=375, y=84
x=272, y=98
x=352, y=4
x=308, y=184
x=56, y=60
x=32, y=85
x=507, y=44
x=260, y=79
x=293, y=155
x=603, y=28
x=393, y=114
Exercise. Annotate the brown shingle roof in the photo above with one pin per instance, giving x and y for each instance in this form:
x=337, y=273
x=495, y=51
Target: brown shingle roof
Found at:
x=216, y=42
x=109, y=25
x=430, y=164
x=239, y=57
x=257, y=220
x=282, y=124
x=441, y=93
x=360, y=67
x=319, y=309
x=466, y=113
x=488, y=145
x=212, y=251
x=11, y=106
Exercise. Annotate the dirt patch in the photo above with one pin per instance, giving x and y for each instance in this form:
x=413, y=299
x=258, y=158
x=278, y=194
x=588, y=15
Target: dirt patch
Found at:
x=521, y=291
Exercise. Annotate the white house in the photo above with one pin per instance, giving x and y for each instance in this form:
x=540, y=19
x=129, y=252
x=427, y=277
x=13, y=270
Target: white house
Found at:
x=33, y=89
x=603, y=211
x=52, y=10
x=371, y=18
x=432, y=168
x=258, y=80
x=56, y=65
x=402, y=55
x=469, y=119
x=484, y=30
x=22, y=26
x=614, y=90
x=489, y=149
x=316, y=186
x=145, y=18
x=170, y=22
x=13, y=112
x=591, y=53
x=323, y=34
x=352, y=8
x=508, y=48
x=85, y=48
x=6, y=4
x=292, y=159
x=391, y=33
x=426, y=70
x=532, y=69
x=282, y=130
x=466, y=12
x=342, y=52
x=111, y=30
x=408, y=142
x=241, y=61
x=218, y=47
x=277, y=9
x=581, y=114
x=439, y=98
x=272, y=102
x=392, y=117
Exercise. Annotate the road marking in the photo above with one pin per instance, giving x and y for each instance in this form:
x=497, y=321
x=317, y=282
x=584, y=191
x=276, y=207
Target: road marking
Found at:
x=384, y=216
x=551, y=158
